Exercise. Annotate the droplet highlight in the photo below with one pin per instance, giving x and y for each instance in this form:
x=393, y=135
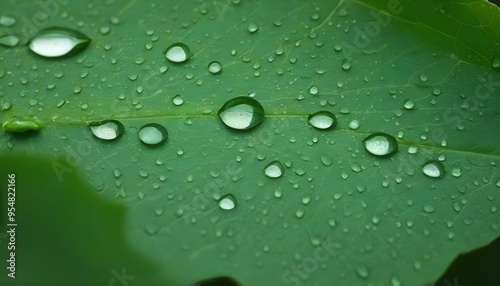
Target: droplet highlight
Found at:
x=322, y=120
x=107, y=130
x=433, y=169
x=274, y=169
x=178, y=53
x=228, y=202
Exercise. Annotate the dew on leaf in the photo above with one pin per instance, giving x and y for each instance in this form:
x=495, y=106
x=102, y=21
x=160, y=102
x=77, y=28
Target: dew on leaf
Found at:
x=346, y=64
x=7, y=21
x=313, y=90
x=252, y=28
x=381, y=144
x=495, y=63
x=20, y=124
x=9, y=40
x=241, y=113
x=178, y=100
x=354, y=124
x=433, y=169
x=57, y=42
x=107, y=130
x=214, y=67
x=322, y=120
x=178, y=53
x=153, y=134
x=227, y=202
x=274, y=169
x=362, y=271
x=409, y=104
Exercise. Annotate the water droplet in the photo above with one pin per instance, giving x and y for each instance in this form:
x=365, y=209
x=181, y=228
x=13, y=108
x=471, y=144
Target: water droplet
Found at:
x=252, y=28
x=456, y=172
x=57, y=42
x=354, y=124
x=495, y=63
x=429, y=208
x=346, y=64
x=362, y=271
x=274, y=169
x=423, y=77
x=241, y=113
x=18, y=124
x=436, y=91
x=381, y=144
x=322, y=120
x=313, y=90
x=7, y=21
x=433, y=169
x=326, y=160
x=107, y=130
x=214, y=67
x=9, y=40
x=153, y=134
x=409, y=104
x=178, y=100
x=178, y=53
x=227, y=202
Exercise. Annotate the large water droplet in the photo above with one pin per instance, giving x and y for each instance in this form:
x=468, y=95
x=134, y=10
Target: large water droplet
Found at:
x=153, y=134
x=433, y=169
x=241, y=113
x=227, y=202
x=107, y=130
x=381, y=144
x=178, y=100
x=274, y=169
x=214, y=67
x=178, y=53
x=322, y=120
x=7, y=21
x=17, y=124
x=57, y=42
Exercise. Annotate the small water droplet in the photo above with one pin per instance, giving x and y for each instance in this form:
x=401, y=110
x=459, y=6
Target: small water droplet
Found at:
x=495, y=63
x=409, y=104
x=252, y=28
x=326, y=160
x=107, y=130
x=9, y=40
x=436, y=91
x=153, y=134
x=227, y=202
x=429, y=208
x=322, y=120
x=456, y=172
x=214, y=67
x=433, y=169
x=274, y=169
x=57, y=42
x=362, y=271
x=313, y=90
x=381, y=144
x=19, y=124
x=424, y=77
x=178, y=53
x=178, y=100
x=354, y=124
x=346, y=64
x=7, y=21
x=241, y=113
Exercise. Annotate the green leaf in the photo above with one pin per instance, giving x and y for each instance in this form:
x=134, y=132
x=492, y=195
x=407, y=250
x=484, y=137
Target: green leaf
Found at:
x=61, y=231
x=337, y=214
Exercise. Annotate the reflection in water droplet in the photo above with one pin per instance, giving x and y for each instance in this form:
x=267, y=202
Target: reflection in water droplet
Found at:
x=241, y=113
x=433, y=169
x=107, y=130
x=322, y=120
x=178, y=100
x=381, y=144
x=214, y=67
x=178, y=53
x=274, y=169
x=57, y=42
x=17, y=124
x=153, y=134
x=227, y=202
